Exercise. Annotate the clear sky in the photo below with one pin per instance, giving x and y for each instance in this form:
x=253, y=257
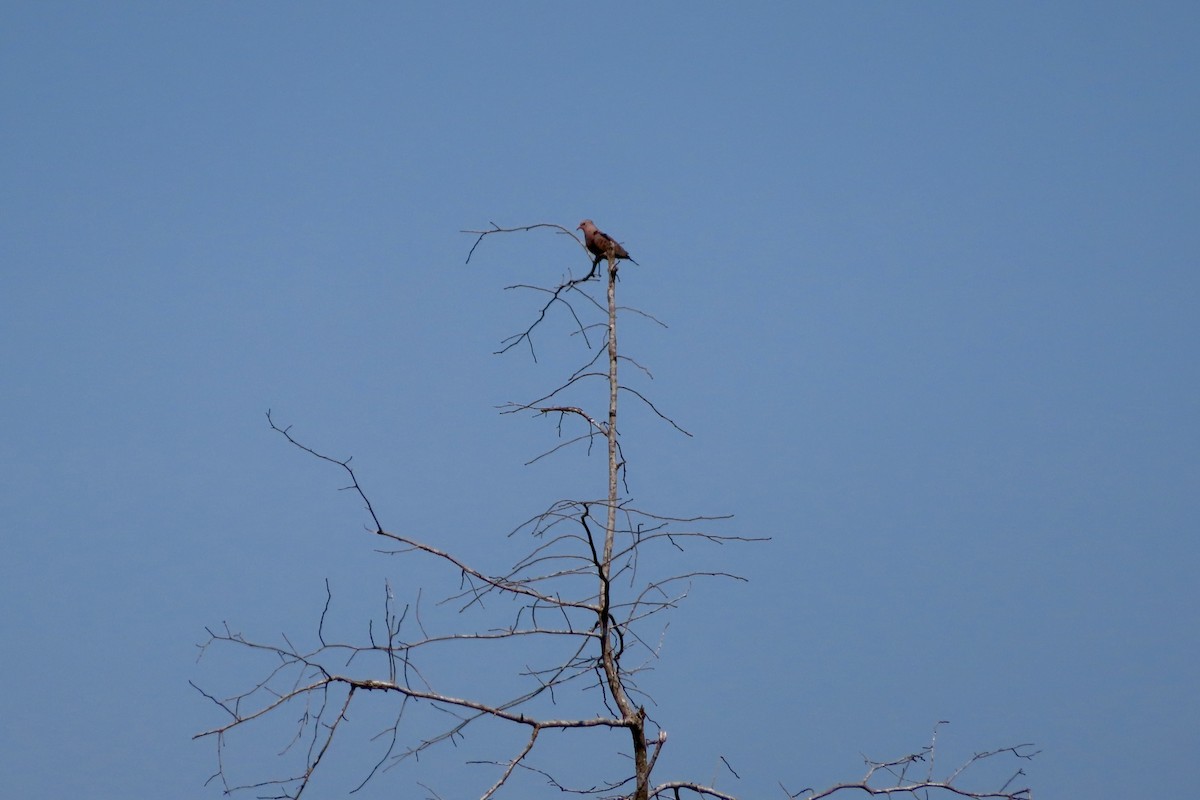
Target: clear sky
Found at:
x=930, y=277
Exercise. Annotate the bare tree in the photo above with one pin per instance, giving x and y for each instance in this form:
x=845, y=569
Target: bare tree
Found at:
x=577, y=606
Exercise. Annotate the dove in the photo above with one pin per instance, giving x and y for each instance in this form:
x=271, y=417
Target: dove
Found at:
x=601, y=245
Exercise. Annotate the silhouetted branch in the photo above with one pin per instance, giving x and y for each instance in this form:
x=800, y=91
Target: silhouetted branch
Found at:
x=902, y=785
x=497, y=229
x=578, y=597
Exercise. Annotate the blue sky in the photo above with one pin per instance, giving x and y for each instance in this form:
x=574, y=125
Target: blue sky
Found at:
x=929, y=272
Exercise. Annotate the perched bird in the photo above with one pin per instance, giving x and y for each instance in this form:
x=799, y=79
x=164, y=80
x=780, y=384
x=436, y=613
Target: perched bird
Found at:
x=601, y=245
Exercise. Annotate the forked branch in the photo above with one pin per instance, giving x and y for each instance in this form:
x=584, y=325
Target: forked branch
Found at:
x=573, y=635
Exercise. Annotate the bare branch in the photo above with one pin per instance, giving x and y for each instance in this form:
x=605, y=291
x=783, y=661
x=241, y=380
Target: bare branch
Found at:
x=567, y=623
x=556, y=296
x=513, y=764
x=674, y=787
x=497, y=229
x=902, y=785
x=345, y=465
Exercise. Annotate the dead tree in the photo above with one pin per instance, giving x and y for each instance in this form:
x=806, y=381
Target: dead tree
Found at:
x=577, y=603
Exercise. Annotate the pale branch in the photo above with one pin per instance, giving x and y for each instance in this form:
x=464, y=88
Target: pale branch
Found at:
x=582, y=576
x=675, y=787
x=598, y=427
x=903, y=785
x=572, y=665
x=932, y=748
x=498, y=634
x=513, y=764
x=564, y=789
x=497, y=229
x=345, y=465
x=595, y=427
x=586, y=437
x=590, y=364
x=314, y=762
x=667, y=518
x=373, y=685
x=547, y=551
x=645, y=315
x=387, y=753
x=240, y=719
x=510, y=587
x=641, y=368
x=1015, y=751
x=654, y=408
x=555, y=297
x=292, y=657
x=920, y=786
x=576, y=378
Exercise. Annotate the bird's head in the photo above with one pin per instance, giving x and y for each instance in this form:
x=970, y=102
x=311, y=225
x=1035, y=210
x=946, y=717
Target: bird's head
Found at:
x=586, y=226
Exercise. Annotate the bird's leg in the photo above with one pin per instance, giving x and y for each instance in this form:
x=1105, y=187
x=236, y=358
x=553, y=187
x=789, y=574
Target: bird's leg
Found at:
x=612, y=265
